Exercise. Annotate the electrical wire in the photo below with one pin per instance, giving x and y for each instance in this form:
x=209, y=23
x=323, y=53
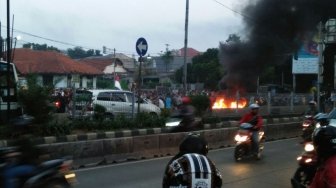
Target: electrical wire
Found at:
x=235, y=11
x=64, y=43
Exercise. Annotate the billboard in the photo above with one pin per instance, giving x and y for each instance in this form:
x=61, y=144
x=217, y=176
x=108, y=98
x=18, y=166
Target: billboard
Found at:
x=306, y=60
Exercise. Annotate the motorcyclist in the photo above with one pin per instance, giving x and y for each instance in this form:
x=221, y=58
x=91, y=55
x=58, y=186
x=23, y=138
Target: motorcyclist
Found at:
x=324, y=139
x=191, y=167
x=187, y=113
x=312, y=109
x=27, y=155
x=256, y=121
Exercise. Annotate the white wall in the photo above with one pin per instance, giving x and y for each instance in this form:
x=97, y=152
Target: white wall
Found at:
x=60, y=81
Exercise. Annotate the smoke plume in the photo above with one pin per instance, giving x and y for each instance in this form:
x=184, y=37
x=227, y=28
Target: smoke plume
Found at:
x=275, y=30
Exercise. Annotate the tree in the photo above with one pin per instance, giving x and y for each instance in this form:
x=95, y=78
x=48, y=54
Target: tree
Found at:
x=205, y=68
x=39, y=107
x=79, y=52
x=41, y=47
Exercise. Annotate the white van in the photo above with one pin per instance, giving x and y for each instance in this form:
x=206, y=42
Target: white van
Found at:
x=118, y=102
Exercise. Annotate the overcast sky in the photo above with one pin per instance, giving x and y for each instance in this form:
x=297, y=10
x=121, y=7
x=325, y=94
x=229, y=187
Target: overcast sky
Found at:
x=119, y=23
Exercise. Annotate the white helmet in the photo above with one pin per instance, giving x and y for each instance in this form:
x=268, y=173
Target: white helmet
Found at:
x=254, y=106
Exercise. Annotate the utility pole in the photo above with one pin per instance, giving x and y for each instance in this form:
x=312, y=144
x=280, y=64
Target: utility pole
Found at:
x=185, y=49
x=114, y=59
x=8, y=59
x=320, y=66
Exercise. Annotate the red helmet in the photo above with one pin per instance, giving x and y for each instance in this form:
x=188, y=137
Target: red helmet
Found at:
x=186, y=100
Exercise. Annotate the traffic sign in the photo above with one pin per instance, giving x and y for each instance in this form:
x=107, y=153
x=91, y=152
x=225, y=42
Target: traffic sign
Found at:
x=141, y=46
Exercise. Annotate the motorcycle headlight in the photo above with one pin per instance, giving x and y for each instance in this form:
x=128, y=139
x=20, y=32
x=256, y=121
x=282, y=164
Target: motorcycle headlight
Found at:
x=309, y=147
x=308, y=160
x=240, y=138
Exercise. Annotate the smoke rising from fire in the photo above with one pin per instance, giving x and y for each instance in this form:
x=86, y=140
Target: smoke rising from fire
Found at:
x=275, y=30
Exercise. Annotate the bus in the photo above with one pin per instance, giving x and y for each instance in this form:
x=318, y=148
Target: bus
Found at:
x=10, y=97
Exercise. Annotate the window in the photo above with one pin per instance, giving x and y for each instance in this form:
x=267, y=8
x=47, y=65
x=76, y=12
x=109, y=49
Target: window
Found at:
x=118, y=97
x=104, y=96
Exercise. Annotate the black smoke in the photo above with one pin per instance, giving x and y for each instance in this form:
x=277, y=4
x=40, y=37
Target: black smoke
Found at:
x=275, y=30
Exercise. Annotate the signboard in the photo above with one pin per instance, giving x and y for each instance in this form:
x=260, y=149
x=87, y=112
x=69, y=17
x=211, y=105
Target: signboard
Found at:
x=141, y=46
x=306, y=61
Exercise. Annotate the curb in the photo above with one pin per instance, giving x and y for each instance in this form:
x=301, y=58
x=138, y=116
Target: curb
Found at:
x=137, y=132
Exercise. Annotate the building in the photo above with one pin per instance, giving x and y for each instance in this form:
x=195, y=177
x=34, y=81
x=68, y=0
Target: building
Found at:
x=54, y=68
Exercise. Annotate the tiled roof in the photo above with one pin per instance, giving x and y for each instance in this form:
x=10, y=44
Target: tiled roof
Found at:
x=100, y=62
x=49, y=62
x=191, y=52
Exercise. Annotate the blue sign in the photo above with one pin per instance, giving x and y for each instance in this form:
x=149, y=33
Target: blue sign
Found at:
x=141, y=46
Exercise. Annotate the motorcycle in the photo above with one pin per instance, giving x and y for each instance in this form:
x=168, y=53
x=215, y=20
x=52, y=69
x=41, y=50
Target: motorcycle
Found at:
x=310, y=123
x=305, y=173
x=308, y=126
x=243, y=140
x=55, y=173
x=176, y=124
x=49, y=173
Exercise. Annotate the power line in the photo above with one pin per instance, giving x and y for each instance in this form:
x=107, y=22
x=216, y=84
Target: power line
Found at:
x=64, y=43
x=235, y=11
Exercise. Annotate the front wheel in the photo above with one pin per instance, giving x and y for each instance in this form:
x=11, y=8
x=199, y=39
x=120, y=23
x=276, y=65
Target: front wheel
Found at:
x=301, y=178
x=239, y=152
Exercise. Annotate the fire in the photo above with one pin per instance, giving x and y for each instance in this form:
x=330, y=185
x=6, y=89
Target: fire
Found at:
x=223, y=103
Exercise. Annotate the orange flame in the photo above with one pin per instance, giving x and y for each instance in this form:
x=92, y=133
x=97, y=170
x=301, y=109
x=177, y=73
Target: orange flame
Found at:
x=223, y=103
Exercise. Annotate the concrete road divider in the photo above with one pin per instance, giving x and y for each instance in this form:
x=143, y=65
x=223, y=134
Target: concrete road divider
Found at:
x=111, y=147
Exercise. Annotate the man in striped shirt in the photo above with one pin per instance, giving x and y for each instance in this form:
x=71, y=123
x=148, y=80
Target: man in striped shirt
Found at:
x=191, y=168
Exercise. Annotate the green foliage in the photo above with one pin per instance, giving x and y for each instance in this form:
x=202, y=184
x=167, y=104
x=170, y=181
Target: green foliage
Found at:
x=41, y=47
x=54, y=129
x=105, y=83
x=35, y=100
x=165, y=113
x=204, y=69
x=201, y=103
x=78, y=52
x=99, y=112
x=145, y=120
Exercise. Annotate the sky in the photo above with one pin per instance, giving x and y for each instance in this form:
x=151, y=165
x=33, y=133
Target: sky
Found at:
x=118, y=24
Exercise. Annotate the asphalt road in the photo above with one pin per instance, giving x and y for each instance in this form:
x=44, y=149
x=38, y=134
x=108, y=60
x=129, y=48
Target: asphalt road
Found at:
x=274, y=170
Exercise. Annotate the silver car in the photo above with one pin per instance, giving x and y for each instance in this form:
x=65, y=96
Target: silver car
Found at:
x=119, y=102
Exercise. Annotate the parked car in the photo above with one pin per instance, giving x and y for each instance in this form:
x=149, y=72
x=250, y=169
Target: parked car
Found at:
x=119, y=102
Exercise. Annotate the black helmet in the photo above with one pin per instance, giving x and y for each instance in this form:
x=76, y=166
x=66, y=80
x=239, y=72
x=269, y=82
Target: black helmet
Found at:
x=324, y=139
x=193, y=143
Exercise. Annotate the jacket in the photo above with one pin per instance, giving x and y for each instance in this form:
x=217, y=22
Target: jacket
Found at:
x=255, y=119
x=325, y=176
